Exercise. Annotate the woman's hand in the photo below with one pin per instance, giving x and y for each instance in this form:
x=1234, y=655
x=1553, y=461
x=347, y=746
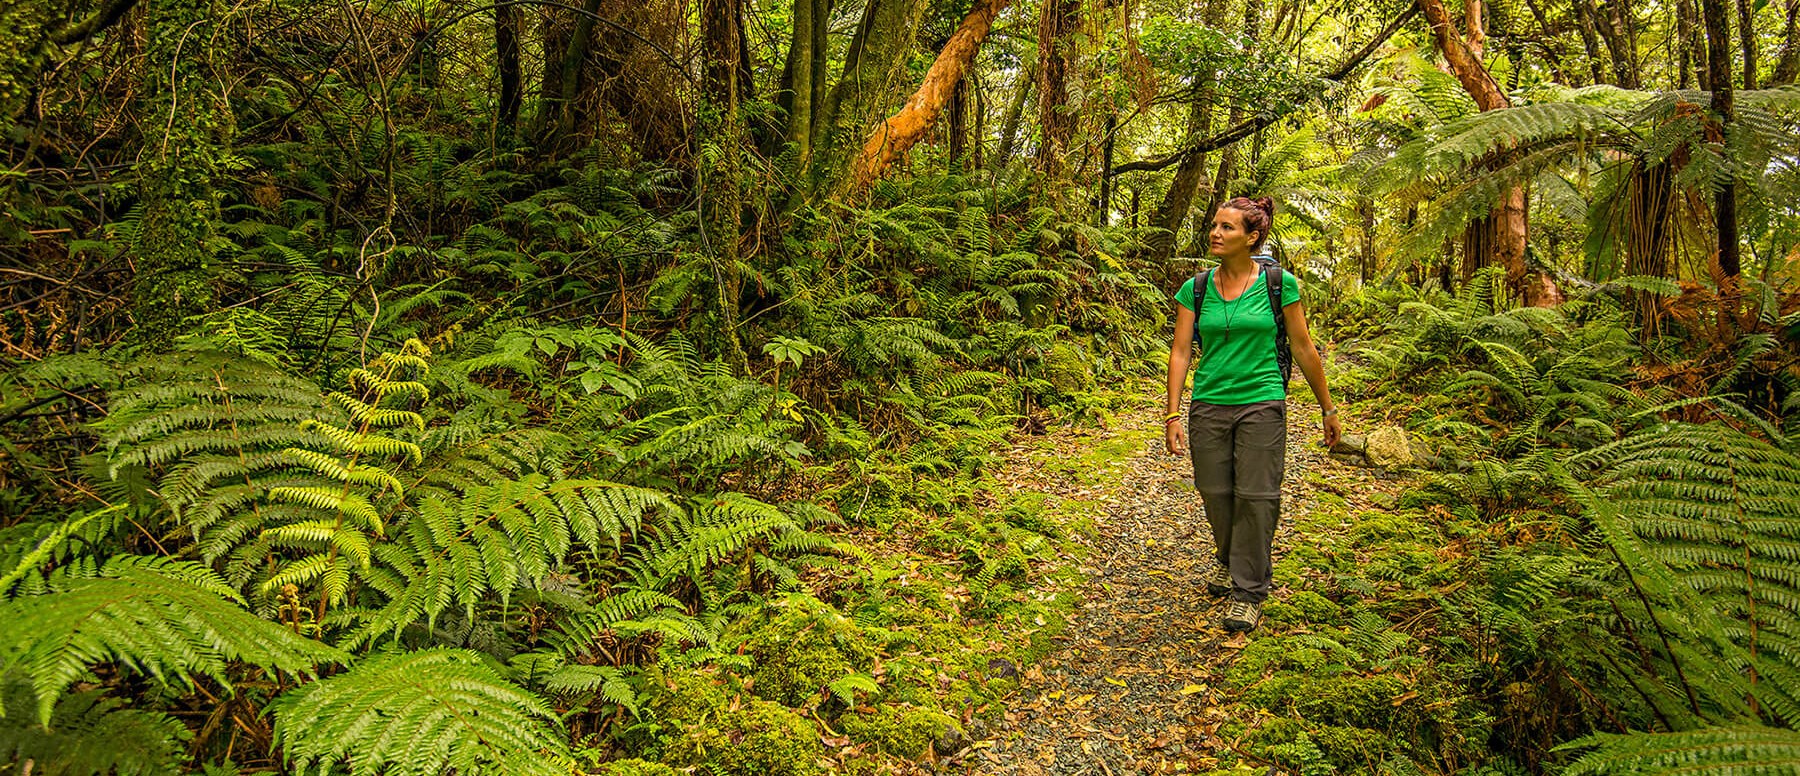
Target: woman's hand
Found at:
x=1334, y=430
x=1176, y=438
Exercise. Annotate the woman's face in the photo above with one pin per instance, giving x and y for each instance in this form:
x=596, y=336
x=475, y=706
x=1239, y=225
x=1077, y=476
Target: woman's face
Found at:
x=1228, y=235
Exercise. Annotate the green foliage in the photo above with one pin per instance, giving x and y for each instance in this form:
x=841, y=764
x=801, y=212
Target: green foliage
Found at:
x=172, y=621
x=759, y=737
x=89, y=734
x=1702, y=522
x=1743, y=749
x=901, y=730
x=800, y=647
x=421, y=712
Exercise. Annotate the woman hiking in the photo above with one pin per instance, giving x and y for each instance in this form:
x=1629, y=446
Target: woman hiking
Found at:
x=1236, y=430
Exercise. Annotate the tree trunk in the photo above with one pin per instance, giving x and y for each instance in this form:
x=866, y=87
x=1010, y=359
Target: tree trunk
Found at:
x=1107, y=145
x=1173, y=209
x=1584, y=24
x=1508, y=237
x=1474, y=31
x=956, y=128
x=638, y=86
x=721, y=23
x=1788, y=66
x=1617, y=42
x=1199, y=245
x=188, y=129
x=506, y=53
x=895, y=136
x=1684, y=59
x=1747, y=41
x=1650, y=195
x=797, y=88
x=556, y=31
x=1058, y=19
x=1015, y=112
x=563, y=114
x=1365, y=212
x=1718, y=65
x=874, y=71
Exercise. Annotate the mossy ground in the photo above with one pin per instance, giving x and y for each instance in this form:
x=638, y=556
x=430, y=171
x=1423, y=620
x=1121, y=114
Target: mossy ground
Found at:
x=887, y=665
x=1048, y=612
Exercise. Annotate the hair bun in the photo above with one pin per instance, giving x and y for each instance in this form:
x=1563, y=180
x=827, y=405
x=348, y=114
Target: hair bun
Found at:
x=1267, y=204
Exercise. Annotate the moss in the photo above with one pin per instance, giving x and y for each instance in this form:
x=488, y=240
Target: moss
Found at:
x=1315, y=607
x=903, y=730
x=1068, y=370
x=1362, y=701
x=636, y=768
x=759, y=738
x=874, y=764
x=800, y=645
x=684, y=695
x=1371, y=528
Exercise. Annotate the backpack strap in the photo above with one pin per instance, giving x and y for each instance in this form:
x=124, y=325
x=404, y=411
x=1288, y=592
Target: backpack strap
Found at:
x=1283, y=355
x=1202, y=283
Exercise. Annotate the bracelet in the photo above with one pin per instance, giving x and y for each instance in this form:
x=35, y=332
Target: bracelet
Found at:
x=1328, y=413
x=1171, y=418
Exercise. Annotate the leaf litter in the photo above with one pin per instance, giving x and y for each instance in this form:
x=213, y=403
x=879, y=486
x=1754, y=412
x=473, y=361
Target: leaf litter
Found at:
x=1130, y=686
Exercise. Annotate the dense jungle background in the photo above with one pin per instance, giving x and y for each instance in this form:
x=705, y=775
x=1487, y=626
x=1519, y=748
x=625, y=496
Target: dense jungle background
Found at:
x=608, y=386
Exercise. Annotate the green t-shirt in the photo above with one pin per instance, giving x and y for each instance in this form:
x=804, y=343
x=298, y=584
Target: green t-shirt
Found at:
x=1239, y=367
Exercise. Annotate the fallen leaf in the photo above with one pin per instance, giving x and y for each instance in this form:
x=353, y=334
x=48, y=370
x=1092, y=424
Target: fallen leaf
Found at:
x=1191, y=689
x=1119, y=682
x=1081, y=701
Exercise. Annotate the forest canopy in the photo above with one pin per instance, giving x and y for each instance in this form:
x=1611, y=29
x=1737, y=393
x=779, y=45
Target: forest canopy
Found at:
x=555, y=386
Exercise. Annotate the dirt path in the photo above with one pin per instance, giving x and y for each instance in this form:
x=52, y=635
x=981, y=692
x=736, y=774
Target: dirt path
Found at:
x=1132, y=686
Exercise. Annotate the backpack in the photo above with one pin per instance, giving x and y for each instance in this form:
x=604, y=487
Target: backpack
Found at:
x=1272, y=281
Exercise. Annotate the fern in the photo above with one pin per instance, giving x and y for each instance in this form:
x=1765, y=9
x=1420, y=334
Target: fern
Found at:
x=89, y=734
x=167, y=619
x=426, y=712
x=1742, y=750
x=489, y=540
x=1705, y=522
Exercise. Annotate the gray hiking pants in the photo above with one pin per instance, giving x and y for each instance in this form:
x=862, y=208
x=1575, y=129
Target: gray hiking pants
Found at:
x=1239, y=453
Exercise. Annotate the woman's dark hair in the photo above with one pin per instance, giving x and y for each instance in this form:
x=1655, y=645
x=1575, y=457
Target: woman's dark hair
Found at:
x=1258, y=214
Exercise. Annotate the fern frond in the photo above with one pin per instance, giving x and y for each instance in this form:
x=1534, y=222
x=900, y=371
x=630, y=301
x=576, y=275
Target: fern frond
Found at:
x=1746, y=750
x=419, y=713
x=89, y=734
x=168, y=619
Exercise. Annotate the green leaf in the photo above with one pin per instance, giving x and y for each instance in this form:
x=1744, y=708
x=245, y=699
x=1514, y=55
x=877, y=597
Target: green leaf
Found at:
x=421, y=713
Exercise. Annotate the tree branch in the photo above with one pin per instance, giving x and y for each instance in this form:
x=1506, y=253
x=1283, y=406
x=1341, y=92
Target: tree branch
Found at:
x=1244, y=128
x=99, y=20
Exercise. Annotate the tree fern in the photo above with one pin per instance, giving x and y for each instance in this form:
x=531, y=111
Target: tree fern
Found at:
x=427, y=712
x=1705, y=522
x=170, y=620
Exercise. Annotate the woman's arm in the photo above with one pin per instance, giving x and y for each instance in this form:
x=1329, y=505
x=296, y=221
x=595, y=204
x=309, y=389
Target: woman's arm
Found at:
x=1300, y=343
x=1180, y=354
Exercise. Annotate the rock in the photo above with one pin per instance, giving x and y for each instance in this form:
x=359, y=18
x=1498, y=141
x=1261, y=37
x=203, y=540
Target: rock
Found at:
x=1350, y=459
x=1389, y=448
x=1351, y=444
x=950, y=741
x=1003, y=668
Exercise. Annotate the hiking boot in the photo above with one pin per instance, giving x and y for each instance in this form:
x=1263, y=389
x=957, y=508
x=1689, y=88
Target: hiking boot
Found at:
x=1242, y=616
x=1218, y=578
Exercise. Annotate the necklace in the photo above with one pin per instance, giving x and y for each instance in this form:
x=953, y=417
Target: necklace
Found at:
x=1231, y=307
